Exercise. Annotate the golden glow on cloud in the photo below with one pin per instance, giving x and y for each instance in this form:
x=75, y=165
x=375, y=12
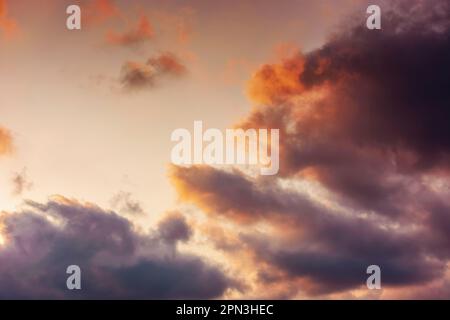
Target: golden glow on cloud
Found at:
x=8, y=26
x=6, y=145
x=273, y=81
x=2, y=234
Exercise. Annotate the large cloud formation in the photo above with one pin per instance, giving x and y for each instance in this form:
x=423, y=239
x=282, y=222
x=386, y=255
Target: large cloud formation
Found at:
x=116, y=260
x=363, y=122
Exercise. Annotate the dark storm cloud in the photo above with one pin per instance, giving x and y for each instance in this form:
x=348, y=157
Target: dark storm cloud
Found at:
x=370, y=108
x=331, y=249
x=116, y=261
x=186, y=278
x=391, y=86
x=233, y=194
x=331, y=272
x=367, y=117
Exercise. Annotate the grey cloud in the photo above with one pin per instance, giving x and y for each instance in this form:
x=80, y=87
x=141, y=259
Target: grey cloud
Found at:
x=116, y=260
x=174, y=227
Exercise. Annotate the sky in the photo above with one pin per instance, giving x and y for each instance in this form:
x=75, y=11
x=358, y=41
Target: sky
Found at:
x=85, y=123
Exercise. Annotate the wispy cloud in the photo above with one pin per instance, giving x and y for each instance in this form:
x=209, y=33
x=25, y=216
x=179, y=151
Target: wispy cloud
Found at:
x=21, y=182
x=6, y=141
x=8, y=25
x=137, y=34
x=138, y=76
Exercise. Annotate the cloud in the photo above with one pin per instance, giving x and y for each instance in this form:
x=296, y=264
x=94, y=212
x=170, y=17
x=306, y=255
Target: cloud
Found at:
x=173, y=227
x=365, y=159
x=8, y=26
x=333, y=272
x=167, y=63
x=361, y=116
x=273, y=83
x=137, y=76
x=21, y=183
x=100, y=11
x=141, y=32
x=6, y=142
x=366, y=85
x=233, y=194
x=116, y=260
x=123, y=202
x=330, y=249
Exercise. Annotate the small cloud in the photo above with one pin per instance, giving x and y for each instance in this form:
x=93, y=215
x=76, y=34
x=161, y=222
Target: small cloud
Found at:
x=136, y=76
x=123, y=202
x=139, y=33
x=167, y=63
x=8, y=26
x=21, y=183
x=173, y=228
x=6, y=145
x=99, y=11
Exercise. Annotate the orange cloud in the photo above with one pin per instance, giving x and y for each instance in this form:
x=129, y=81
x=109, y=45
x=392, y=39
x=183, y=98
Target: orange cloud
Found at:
x=273, y=82
x=168, y=63
x=98, y=11
x=139, y=33
x=6, y=145
x=184, y=33
x=8, y=26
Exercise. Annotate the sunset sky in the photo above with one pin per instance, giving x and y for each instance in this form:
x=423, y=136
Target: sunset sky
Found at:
x=85, y=125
